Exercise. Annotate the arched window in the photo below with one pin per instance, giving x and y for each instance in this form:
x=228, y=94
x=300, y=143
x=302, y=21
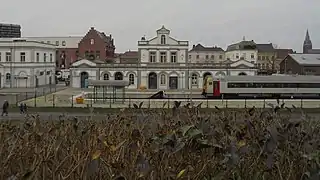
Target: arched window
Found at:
x=163, y=39
x=8, y=77
x=131, y=79
x=163, y=79
x=105, y=76
x=194, y=79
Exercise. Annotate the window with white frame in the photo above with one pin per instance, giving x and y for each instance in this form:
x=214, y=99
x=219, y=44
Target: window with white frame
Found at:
x=194, y=79
x=152, y=57
x=163, y=57
x=162, y=79
x=173, y=57
x=131, y=79
x=252, y=56
x=91, y=41
x=8, y=77
x=22, y=57
x=163, y=39
x=8, y=56
x=63, y=43
x=105, y=76
x=57, y=43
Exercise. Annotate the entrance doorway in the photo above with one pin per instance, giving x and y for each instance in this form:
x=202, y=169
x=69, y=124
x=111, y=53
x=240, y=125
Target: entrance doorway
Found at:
x=153, y=81
x=84, y=80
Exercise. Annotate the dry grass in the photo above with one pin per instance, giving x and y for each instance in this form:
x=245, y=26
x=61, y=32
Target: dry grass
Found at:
x=145, y=144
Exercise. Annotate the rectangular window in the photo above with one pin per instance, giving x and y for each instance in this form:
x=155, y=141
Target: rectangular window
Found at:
x=173, y=57
x=212, y=57
x=44, y=57
x=97, y=54
x=57, y=43
x=38, y=57
x=263, y=58
x=252, y=56
x=197, y=56
x=259, y=57
x=22, y=57
x=237, y=56
x=220, y=56
x=190, y=56
x=163, y=57
x=273, y=85
x=51, y=58
x=207, y=56
x=152, y=57
x=8, y=56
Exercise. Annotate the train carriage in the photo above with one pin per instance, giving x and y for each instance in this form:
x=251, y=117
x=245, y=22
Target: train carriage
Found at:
x=275, y=86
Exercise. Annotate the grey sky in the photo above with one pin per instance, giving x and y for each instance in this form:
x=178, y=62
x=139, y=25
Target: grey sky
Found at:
x=210, y=22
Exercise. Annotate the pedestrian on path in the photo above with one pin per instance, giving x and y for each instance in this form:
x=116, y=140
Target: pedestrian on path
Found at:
x=21, y=107
x=25, y=107
x=5, y=107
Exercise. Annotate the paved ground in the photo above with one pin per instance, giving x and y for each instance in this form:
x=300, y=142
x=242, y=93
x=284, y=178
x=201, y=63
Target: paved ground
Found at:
x=14, y=95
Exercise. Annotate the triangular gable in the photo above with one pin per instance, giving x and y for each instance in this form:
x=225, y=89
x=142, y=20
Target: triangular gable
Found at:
x=242, y=63
x=169, y=40
x=84, y=62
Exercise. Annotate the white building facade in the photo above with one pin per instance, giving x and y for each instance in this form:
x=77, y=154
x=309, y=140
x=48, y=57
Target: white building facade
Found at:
x=244, y=50
x=25, y=64
x=201, y=54
x=162, y=64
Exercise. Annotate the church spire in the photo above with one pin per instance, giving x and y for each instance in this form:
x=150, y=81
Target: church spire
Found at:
x=307, y=44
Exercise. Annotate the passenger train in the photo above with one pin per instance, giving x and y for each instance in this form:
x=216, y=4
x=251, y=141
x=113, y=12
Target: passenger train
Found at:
x=273, y=86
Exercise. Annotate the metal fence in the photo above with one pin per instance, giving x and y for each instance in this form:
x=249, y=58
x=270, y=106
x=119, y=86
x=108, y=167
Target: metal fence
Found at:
x=58, y=100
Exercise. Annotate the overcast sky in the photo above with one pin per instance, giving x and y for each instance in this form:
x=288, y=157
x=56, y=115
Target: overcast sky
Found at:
x=209, y=22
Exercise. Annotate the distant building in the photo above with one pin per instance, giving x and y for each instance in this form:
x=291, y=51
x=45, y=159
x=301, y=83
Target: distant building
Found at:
x=66, y=49
x=25, y=63
x=10, y=31
x=161, y=63
x=301, y=64
x=96, y=45
x=280, y=55
x=201, y=54
x=244, y=50
x=307, y=45
x=266, y=63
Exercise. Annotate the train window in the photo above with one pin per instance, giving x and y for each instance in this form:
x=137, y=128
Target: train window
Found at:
x=273, y=85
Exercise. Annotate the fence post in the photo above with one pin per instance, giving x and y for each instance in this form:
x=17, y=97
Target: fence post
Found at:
x=207, y=103
x=264, y=103
x=35, y=98
x=245, y=103
x=53, y=100
x=71, y=100
x=129, y=102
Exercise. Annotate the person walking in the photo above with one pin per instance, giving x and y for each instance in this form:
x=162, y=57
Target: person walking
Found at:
x=5, y=107
x=24, y=107
x=21, y=107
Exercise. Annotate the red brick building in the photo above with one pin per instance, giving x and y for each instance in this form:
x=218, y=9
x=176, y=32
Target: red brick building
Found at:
x=96, y=45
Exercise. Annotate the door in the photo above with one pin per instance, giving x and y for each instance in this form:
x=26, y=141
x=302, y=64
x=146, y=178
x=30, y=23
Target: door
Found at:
x=173, y=82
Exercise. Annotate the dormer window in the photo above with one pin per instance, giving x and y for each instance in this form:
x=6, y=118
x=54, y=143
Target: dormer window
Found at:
x=163, y=39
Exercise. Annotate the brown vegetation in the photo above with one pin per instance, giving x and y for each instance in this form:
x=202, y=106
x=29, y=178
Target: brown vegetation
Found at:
x=148, y=144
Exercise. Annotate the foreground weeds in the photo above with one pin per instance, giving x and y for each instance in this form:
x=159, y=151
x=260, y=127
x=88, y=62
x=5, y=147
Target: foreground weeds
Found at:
x=148, y=144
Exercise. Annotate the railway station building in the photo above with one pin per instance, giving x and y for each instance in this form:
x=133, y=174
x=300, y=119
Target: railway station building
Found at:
x=162, y=63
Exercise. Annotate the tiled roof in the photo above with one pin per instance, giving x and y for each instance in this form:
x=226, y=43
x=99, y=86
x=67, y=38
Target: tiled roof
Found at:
x=306, y=59
x=282, y=53
x=265, y=48
x=243, y=45
x=314, y=51
x=199, y=47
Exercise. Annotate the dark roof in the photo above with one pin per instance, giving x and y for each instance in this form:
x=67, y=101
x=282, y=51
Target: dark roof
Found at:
x=243, y=45
x=265, y=48
x=282, y=53
x=314, y=51
x=199, y=47
x=129, y=57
